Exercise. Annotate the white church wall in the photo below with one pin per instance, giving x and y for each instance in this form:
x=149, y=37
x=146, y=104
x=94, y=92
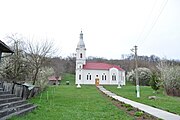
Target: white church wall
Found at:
x=79, y=73
x=92, y=75
x=96, y=74
x=114, y=75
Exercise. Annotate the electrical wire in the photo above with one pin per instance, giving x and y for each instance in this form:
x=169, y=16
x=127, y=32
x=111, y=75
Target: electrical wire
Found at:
x=150, y=14
x=164, y=3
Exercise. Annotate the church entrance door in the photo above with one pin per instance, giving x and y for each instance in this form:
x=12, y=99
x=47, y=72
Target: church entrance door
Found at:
x=97, y=81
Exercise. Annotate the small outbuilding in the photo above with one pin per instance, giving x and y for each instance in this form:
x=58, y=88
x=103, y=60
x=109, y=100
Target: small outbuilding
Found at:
x=54, y=80
x=4, y=48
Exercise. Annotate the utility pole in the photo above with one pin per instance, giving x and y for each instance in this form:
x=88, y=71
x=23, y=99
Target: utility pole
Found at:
x=136, y=72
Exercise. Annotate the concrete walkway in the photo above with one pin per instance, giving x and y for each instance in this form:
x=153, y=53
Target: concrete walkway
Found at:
x=148, y=109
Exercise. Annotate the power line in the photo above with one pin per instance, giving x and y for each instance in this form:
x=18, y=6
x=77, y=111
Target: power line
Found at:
x=156, y=19
x=150, y=14
x=154, y=23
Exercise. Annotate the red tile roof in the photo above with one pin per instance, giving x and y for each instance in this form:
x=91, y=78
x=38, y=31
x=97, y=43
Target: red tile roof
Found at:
x=100, y=66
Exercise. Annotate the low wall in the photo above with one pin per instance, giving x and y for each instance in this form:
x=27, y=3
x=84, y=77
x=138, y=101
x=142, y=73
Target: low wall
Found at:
x=19, y=89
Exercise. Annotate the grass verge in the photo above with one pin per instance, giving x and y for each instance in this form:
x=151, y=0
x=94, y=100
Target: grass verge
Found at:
x=168, y=103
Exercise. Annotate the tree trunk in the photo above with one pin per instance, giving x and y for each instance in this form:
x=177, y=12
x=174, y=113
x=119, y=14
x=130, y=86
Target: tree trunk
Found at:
x=35, y=76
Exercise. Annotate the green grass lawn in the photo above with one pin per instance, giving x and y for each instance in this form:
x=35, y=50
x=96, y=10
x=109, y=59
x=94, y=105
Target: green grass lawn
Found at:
x=168, y=103
x=66, y=102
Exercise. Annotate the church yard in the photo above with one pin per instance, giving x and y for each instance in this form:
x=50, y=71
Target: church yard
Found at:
x=66, y=102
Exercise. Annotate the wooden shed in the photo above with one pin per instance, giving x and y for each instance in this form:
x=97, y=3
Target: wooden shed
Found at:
x=54, y=80
x=4, y=48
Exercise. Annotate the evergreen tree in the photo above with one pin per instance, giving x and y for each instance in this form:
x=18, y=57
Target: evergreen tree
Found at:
x=154, y=82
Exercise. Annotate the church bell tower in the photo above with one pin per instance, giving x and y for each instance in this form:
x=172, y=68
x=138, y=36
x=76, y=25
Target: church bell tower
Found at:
x=80, y=53
x=80, y=59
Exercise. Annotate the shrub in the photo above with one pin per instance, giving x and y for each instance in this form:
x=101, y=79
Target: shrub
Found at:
x=171, y=78
x=144, y=76
x=129, y=108
x=43, y=77
x=154, y=82
x=126, y=105
x=138, y=113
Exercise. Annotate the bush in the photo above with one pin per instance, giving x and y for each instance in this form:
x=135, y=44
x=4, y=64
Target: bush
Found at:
x=129, y=108
x=127, y=105
x=138, y=113
x=171, y=78
x=154, y=82
x=42, y=81
x=144, y=76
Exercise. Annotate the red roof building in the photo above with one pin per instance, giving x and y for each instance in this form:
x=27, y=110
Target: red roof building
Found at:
x=54, y=80
x=96, y=72
x=100, y=66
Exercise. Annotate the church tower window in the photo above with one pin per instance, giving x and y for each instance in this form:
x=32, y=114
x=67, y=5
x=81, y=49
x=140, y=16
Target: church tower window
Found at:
x=80, y=55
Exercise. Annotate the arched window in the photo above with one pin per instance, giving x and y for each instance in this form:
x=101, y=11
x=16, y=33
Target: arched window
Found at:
x=80, y=55
x=88, y=76
x=104, y=76
x=79, y=77
x=114, y=77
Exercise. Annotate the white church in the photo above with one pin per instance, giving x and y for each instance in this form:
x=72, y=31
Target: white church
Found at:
x=96, y=72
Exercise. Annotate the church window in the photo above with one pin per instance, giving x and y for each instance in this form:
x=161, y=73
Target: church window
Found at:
x=79, y=77
x=80, y=55
x=114, y=77
x=88, y=76
x=104, y=76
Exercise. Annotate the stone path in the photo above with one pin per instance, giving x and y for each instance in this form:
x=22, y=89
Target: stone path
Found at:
x=148, y=109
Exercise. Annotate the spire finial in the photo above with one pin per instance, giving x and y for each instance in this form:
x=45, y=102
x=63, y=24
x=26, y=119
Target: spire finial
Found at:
x=81, y=35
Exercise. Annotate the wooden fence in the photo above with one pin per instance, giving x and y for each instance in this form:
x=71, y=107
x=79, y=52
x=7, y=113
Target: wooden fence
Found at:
x=19, y=89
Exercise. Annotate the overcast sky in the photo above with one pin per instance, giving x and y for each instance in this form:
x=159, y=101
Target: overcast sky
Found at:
x=110, y=27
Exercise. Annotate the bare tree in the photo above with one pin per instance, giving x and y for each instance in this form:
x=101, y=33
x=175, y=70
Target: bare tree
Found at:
x=58, y=65
x=15, y=67
x=70, y=64
x=37, y=56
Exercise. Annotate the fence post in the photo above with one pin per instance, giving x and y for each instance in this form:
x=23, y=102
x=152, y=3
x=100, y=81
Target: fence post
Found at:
x=13, y=87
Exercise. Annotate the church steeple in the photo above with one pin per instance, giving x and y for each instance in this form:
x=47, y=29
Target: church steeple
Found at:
x=81, y=35
x=80, y=52
x=81, y=42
